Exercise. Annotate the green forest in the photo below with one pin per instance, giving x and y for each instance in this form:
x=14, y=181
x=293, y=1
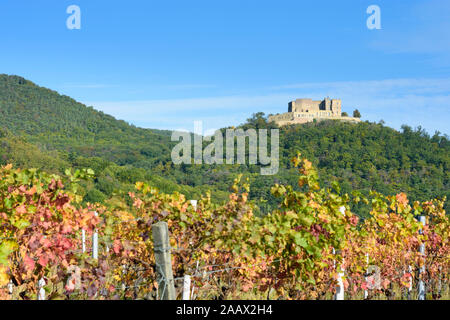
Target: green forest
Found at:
x=39, y=128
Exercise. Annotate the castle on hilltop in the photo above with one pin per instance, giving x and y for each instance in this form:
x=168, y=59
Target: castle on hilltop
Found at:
x=308, y=110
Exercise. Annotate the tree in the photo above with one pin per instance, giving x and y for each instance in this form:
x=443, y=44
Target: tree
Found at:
x=356, y=114
x=257, y=120
x=344, y=114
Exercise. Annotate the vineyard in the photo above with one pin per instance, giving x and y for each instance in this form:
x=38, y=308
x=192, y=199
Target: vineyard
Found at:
x=311, y=247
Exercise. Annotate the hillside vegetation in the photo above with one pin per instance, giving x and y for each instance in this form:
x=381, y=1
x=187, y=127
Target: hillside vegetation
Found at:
x=296, y=252
x=43, y=129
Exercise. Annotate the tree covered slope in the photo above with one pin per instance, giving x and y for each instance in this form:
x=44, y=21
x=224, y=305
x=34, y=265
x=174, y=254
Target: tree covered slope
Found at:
x=41, y=128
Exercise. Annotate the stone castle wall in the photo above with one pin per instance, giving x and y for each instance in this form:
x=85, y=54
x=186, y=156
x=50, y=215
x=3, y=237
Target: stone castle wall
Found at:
x=308, y=110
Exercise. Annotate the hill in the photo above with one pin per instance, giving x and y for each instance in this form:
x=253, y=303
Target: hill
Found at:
x=58, y=121
x=41, y=128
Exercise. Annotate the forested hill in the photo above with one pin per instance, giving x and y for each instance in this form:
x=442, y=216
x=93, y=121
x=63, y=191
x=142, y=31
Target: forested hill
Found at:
x=59, y=121
x=41, y=128
x=371, y=156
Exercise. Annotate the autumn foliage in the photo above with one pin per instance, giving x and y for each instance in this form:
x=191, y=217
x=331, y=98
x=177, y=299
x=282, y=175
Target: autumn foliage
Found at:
x=295, y=252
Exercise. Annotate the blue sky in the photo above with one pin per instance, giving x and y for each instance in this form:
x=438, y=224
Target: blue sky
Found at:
x=165, y=64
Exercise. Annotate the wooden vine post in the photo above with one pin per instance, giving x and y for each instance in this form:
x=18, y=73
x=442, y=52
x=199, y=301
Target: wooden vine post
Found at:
x=163, y=261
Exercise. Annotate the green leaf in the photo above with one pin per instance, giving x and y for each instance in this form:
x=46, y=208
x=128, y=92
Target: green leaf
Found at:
x=291, y=215
x=8, y=203
x=306, y=220
x=300, y=240
x=335, y=185
x=6, y=248
x=21, y=224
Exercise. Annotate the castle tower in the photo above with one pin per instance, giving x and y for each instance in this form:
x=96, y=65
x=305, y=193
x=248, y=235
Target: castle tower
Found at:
x=326, y=104
x=336, y=106
x=291, y=106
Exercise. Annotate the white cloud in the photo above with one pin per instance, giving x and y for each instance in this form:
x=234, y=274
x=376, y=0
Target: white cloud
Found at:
x=415, y=102
x=381, y=87
x=424, y=102
x=192, y=104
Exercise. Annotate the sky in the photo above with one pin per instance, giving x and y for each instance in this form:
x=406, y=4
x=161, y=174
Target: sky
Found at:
x=166, y=64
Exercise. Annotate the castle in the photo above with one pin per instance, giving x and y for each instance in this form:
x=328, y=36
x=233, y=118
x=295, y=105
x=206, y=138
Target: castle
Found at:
x=308, y=110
